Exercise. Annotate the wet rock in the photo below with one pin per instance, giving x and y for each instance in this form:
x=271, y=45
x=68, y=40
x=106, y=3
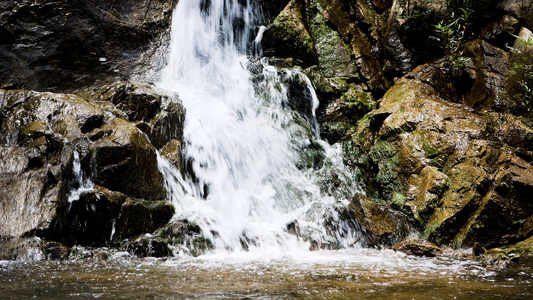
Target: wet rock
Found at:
x=334, y=55
x=186, y=236
x=56, y=251
x=373, y=218
x=138, y=216
x=147, y=246
x=120, y=148
x=30, y=191
x=497, y=221
x=426, y=189
x=345, y=112
x=156, y=112
x=492, y=65
x=458, y=177
x=90, y=220
x=418, y=248
x=103, y=217
x=384, y=162
x=172, y=152
x=478, y=250
x=288, y=36
x=25, y=107
x=63, y=46
x=21, y=249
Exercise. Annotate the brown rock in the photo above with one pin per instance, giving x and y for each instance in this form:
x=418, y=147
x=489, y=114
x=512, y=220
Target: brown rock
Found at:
x=418, y=248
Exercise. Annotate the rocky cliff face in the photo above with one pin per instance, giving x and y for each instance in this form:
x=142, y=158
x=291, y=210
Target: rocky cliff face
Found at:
x=68, y=45
x=436, y=133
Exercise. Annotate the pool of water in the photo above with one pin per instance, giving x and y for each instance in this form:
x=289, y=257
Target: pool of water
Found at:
x=347, y=274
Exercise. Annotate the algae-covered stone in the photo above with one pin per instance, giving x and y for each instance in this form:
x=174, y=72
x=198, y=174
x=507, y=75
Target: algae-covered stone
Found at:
x=383, y=160
x=350, y=107
x=334, y=55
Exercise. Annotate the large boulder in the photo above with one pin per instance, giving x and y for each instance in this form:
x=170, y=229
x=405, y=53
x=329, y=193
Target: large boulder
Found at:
x=156, y=112
x=39, y=133
x=123, y=159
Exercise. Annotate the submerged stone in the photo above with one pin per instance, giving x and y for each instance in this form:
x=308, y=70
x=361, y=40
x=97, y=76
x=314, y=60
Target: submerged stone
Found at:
x=418, y=248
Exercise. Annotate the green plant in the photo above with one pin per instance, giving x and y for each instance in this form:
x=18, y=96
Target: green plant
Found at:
x=414, y=9
x=521, y=75
x=450, y=33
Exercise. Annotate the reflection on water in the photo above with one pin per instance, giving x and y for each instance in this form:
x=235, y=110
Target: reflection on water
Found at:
x=346, y=274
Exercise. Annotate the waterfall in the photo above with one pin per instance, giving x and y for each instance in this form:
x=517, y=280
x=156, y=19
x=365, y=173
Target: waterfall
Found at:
x=244, y=182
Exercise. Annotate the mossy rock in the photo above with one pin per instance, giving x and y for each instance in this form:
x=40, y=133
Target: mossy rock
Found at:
x=287, y=36
x=141, y=216
x=383, y=161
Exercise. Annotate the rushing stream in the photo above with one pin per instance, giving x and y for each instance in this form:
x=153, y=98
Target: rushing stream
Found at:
x=243, y=181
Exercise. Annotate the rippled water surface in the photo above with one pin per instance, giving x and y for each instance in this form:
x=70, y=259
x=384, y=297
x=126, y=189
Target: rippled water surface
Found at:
x=352, y=274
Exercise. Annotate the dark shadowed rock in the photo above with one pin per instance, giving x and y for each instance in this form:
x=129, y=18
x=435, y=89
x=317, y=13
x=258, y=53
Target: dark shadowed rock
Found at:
x=146, y=246
x=139, y=216
x=103, y=217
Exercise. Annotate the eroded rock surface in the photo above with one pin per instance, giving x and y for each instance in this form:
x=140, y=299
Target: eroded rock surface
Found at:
x=53, y=145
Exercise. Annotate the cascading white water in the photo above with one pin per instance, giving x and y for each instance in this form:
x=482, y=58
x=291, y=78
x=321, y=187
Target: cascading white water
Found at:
x=241, y=182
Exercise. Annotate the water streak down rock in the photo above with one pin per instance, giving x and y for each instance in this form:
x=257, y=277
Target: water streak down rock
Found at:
x=41, y=132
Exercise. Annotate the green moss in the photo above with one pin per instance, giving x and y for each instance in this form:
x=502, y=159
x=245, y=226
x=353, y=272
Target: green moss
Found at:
x=430, y=152
x=430, y=229
x=398, y=200
x=384, y=157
